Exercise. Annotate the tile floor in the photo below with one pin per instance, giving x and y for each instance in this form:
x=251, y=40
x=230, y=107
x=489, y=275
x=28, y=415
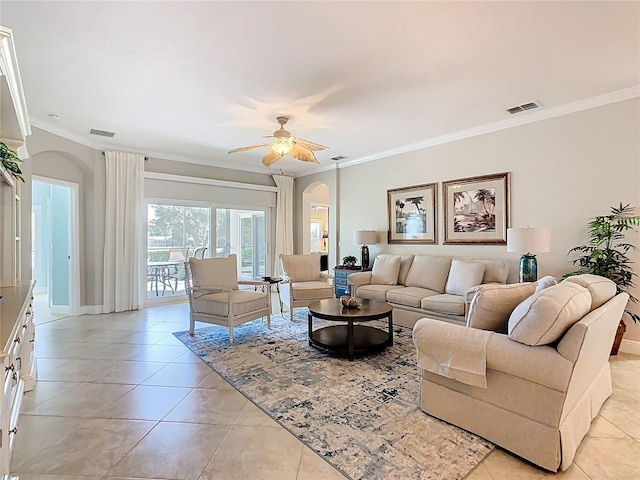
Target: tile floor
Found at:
x=118, y=397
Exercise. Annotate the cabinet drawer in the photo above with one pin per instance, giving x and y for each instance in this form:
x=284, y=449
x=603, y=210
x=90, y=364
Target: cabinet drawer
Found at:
x=341, y=280
x=340, y=273
x=342, y=290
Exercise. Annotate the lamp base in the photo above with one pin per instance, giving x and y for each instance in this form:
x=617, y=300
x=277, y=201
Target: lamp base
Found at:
x=528, y=268
x=364, y=257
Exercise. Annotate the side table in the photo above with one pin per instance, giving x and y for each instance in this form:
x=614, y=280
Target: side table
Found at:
x=272, y=281
x=340, y=274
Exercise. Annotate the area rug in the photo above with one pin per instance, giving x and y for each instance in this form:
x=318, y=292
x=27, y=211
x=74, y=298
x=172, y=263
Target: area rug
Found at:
x=363, y=417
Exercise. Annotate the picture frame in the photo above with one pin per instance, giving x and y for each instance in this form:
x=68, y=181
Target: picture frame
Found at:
x=412, y=214
x=476, y=209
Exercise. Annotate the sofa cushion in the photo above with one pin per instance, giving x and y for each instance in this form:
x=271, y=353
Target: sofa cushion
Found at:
x=243, y=302
x=409, y=296
x=215, y=272
x=385, y=270
x=301, y=268
x=429, y=272
x=601, y=289
x=405, y=265
x=495, y=271
x=463, y=276
x=492, y=305
x=311, y=290
x=375, y=292
x=444, y=303
x=545, y=316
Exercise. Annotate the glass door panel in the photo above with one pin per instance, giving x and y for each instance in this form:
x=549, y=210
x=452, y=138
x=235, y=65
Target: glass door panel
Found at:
x=174, y=232
x=243, y=232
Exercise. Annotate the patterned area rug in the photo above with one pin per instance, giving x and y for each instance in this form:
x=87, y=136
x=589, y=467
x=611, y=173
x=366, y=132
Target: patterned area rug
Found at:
x=363, y=416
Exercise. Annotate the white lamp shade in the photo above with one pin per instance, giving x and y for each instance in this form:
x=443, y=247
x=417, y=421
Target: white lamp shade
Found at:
x=528, y=240
x=365, y=237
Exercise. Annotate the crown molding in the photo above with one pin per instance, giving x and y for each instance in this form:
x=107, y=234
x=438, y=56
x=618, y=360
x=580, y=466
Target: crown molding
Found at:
x=146, y=152
x=10, y=71
x=520, y=119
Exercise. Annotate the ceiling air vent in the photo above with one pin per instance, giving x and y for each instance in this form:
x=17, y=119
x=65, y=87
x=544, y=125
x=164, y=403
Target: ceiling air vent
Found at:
x=338, y=158
x=523, y=107
x=101, y=133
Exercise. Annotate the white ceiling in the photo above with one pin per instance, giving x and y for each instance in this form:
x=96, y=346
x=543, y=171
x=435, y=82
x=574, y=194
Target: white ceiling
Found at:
x=192, y=80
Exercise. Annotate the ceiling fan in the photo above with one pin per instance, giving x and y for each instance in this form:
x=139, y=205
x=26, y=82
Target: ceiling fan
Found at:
x=284, y=144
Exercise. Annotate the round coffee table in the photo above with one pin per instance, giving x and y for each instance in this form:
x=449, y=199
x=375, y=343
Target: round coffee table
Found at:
x=349, y=339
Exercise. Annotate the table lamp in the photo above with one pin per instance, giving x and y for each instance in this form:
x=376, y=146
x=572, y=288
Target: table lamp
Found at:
x=364, y=238
x=531, y=240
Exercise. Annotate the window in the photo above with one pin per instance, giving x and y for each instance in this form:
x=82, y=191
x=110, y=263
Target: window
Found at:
x=173, y=234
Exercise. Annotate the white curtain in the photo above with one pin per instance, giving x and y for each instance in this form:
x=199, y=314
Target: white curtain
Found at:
x=284, y=218
x=124, y=262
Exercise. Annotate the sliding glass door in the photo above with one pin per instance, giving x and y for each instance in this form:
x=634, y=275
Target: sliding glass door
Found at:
x=243, y=232
x=178, y=230
x=174, y=233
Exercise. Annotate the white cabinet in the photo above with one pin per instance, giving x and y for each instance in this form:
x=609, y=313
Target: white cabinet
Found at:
x=16, y=305
x=17, y=337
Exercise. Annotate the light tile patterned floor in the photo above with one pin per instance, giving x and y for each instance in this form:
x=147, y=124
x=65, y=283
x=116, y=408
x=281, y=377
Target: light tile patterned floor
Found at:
x=119, y=397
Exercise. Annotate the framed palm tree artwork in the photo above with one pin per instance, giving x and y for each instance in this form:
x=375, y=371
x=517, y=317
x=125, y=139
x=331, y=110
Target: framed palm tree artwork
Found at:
x=412, y=214
x=476, y=209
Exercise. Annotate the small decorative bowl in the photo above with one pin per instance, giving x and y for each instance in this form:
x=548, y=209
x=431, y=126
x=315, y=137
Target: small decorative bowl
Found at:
x=350, y=302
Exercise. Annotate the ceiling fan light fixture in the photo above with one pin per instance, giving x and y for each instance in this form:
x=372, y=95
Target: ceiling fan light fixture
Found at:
x=282, y=145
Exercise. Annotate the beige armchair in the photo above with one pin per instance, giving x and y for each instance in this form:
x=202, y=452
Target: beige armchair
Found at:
x=302, y=281
x=212, y=286
x=534, y=390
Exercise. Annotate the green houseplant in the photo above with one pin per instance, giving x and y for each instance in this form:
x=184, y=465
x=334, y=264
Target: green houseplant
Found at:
x=11, y=161
x=606, y=254
x=349, y=261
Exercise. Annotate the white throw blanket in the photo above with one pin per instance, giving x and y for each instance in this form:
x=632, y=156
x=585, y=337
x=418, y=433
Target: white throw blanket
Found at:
x=453, y=351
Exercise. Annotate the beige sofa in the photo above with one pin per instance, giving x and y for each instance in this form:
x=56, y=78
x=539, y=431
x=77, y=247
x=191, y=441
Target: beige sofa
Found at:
x=425, y=285
x=534, y=390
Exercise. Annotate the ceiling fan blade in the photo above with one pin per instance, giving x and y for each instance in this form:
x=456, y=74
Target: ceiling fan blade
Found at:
x=246, y=149
x=270, y=158
x=310, y=145
x=301, y=153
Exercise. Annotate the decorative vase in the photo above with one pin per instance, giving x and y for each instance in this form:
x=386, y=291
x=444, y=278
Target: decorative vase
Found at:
x=528, y=268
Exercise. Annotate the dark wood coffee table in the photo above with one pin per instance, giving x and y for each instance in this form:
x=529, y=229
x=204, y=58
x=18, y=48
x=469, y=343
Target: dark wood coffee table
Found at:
x=349, y=339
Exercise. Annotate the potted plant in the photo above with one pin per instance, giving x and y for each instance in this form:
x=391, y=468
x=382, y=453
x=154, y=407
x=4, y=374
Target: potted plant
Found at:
x=11, y=161
x=605, y=254
x=349, y=261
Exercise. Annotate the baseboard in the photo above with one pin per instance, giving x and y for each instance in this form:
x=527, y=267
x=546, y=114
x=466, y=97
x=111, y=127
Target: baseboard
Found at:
x=90, y=310
x=630, y=346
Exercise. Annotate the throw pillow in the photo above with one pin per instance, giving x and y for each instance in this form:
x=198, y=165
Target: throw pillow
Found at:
x=385, y=270
x=601, y=289
x=546, y=316
x=405, y=265
x=545, y=282
x=462, y=276
x=429, y=271
x=492, y=305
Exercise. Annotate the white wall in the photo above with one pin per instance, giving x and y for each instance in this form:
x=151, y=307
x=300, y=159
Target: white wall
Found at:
x=56, y=157
x=564, y=170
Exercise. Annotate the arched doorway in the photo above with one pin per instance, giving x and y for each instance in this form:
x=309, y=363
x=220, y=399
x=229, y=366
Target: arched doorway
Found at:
x=316, y=224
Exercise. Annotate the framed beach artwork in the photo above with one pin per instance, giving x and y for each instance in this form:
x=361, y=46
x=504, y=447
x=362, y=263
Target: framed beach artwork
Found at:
x=412, y=214
x=476, y=209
